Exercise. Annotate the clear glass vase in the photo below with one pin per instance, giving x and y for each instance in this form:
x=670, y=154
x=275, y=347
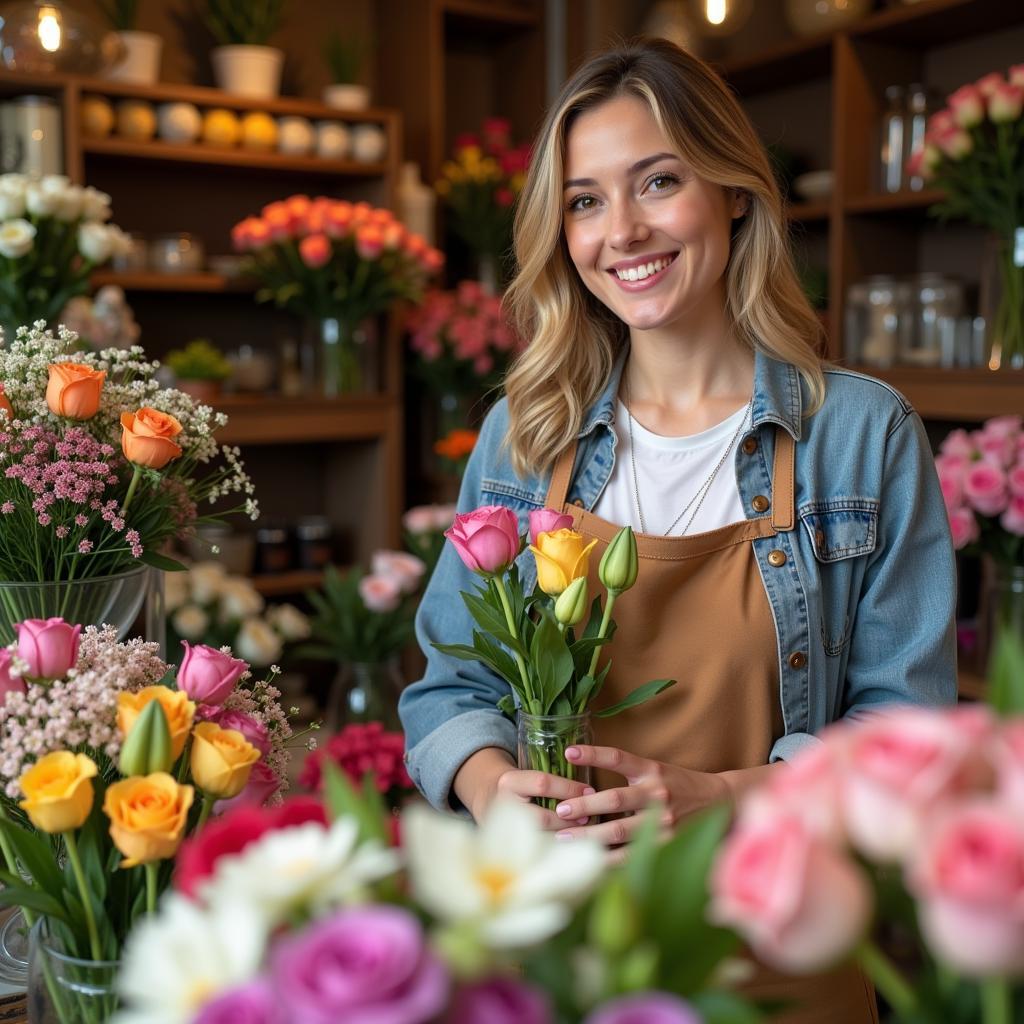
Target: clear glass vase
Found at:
x=542, y=740
x=348, y=356
x=1003, y=302
x=365, y=691
x=93, y=601
x=1004, y=605
x=63, y=989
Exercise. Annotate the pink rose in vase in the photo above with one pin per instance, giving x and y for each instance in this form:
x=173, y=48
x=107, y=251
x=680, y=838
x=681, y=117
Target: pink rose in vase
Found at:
x=207, y=675
x=49, y=646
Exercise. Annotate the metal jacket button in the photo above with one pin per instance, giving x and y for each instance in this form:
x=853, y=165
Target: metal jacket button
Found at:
x=797, y=659
x=578, y=503
x=750, y=445
x=776, y=557
x=760, y=503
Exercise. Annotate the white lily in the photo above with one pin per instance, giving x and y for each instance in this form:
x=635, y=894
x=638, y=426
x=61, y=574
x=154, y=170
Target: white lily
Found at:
x=302, y=869
x=180, y=958
x=513, y=880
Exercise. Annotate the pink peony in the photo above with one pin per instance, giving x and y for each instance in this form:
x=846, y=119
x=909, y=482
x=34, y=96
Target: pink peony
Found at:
x=985, y=488
x=487, y=539
x=968, y=876
x=207, y=675
x=49, y=646
x=8, y=683
x=380, y=593
x=800, y=903
x=547, y=520
x=963, y=526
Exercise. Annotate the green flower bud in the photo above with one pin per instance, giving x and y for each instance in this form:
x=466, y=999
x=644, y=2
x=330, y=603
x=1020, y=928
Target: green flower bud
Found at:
x=614, y=925
x=147, y=747
x=571, y=606
x=618, y=567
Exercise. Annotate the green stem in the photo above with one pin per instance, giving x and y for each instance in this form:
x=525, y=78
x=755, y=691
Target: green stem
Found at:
x=136, y=473
x=152, y=871
x=511, y=622
x=208, y=802
x=606, y=618
x=887, y=979
x=995, y=1001
x=83, y=890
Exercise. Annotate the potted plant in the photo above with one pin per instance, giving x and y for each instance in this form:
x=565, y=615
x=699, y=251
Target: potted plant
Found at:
x=345, y=58
x=200, y=370
x=243, y=64
x=141, y=61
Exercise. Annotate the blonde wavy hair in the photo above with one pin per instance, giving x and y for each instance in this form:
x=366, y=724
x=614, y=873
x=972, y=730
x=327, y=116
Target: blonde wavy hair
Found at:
x=573, y=338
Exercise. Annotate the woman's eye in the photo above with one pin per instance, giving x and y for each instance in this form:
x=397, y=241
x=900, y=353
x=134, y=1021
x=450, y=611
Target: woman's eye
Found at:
x=579, y=204
x=661, y=182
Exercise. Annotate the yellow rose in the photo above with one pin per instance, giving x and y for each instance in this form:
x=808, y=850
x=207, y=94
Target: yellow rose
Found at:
x=58, y=791
x=177, y=707
x=147, y=816
x=222, y=760
x=561, y=557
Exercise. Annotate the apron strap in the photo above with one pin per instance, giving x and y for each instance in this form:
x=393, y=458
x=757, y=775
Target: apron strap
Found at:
x=558, y=489
x=784, y=481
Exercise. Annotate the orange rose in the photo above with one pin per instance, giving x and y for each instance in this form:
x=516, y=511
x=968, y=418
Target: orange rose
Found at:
x=146, y=439
x=5, y=405
x=74, y=390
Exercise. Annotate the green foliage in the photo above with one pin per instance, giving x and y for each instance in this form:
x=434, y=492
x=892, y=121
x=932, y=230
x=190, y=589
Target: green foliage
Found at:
x=243, y=22
x=1006, y=677
x=122, y=14
x=344, y=57
x=199, y=360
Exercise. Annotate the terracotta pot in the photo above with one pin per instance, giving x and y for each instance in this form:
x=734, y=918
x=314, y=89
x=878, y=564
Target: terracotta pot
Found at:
x=205, y=391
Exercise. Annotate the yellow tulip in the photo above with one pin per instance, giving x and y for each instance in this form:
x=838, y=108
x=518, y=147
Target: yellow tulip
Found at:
x=178, y=709
x=147, y=816
x=58, y=791
x=562, y=556
x=222, y=760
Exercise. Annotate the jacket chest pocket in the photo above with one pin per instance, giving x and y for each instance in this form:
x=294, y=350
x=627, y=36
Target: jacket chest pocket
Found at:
x=841, y=533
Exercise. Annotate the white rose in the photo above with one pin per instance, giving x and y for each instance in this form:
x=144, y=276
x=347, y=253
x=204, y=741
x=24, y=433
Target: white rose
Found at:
x=95, y=204
x=42, y=202
x=257, y=643
x=16, y=238
x=289, y=621
x=12, y=200
x=190, y=622
x=206, y=580
x=175, y=583
x=95, y=242
x=238, y=600
x=70, y=205
x=120, y=242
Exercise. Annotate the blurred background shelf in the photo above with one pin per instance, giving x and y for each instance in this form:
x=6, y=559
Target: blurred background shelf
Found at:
x=276, y=420
x=149, y=281
x=283, y=584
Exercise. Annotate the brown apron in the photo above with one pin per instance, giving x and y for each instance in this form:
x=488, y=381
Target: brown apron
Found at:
x=698, y=613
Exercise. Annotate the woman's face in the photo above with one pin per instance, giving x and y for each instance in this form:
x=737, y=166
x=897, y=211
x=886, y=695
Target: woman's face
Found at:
x=648, y=237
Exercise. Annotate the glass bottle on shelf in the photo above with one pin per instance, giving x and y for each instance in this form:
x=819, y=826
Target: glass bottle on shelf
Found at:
x=936, y=296
x=879, y=320
x=893, y=123
x=916, y=124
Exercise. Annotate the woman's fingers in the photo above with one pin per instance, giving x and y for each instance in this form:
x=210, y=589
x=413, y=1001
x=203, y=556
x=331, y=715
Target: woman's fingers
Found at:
x=529, y=785
x=608, y=801
x=629, y=766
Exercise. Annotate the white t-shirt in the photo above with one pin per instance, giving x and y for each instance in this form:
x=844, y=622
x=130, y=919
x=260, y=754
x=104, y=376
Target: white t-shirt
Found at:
x=670, y=471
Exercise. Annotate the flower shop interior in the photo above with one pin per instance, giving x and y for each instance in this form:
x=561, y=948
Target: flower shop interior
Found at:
x=279, y=233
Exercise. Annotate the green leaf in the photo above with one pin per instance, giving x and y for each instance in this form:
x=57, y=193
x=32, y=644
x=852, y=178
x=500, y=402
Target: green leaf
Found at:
x=158, y=561
x=550, y=655
x=345, y=801
x=32, y=899
x=35, y=853
x=638, y=696
x=725, y=1008
x=1006, y=677
x=507, y=706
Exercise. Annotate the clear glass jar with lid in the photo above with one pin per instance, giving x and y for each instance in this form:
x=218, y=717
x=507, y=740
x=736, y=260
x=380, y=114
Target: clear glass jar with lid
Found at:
x=879, y=320
x=937, y=296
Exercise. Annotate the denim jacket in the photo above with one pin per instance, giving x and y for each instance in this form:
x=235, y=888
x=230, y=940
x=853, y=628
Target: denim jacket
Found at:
x=863, y=606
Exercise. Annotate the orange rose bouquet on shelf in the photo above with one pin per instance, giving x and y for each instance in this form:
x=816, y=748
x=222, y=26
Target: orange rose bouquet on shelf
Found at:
x=338, y=263
x=102, y=467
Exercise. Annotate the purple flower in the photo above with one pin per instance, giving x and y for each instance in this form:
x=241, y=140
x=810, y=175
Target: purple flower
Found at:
x=367, y=965
x=250, y=1004
x=645, y=1008
x=500, y=1001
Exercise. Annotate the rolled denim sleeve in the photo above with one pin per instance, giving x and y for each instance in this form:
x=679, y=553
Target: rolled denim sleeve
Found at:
x=451, y=712
x=903, y=640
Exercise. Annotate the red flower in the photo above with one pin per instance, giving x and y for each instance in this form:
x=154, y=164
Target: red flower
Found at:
x=360, y=750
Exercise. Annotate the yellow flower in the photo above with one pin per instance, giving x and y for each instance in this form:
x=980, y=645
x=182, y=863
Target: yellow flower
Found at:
x=177, y=707
x=58, y=791
x=147, y=816
x=561, y=557
x=222, y=760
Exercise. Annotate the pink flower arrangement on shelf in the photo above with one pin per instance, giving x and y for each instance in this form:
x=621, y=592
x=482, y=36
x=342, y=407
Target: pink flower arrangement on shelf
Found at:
x=981, y=473
x=463, y=339
x=932, y=799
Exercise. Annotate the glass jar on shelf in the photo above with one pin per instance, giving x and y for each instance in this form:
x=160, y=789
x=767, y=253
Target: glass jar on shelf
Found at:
x=893, y=138
x=937, y=296
x=879, y=320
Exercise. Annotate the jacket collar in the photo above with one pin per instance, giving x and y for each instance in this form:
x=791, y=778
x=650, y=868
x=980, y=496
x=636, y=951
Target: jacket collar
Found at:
x=777, y=396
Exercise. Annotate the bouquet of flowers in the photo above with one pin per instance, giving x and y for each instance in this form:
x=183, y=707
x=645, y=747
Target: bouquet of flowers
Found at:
x=456, y=447
x=52, y=236
x=336, y=262
x=424, y=527
x=479, y=186
x=207, y=605
x=101, y=466
x=974, y=150
x=535, y=642
x=107, y=761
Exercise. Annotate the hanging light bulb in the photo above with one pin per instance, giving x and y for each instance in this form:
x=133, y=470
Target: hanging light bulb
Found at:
x=49, y=29
x=722, y=17
x=45, y=35
x=715, y=11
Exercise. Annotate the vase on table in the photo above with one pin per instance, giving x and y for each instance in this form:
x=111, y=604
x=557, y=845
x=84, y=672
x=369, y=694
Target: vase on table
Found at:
x=542, y=741
x=1002, y=302
x=97, y=600
x=365, y=691
x=347, y=356
x=64, y=989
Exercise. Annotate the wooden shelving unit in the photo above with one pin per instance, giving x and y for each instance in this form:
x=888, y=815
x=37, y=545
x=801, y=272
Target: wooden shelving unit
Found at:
x=150, y=281
x=282, y=584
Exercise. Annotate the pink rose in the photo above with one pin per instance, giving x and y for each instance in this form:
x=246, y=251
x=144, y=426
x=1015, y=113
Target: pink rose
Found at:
x=1016, y=74
x=954, y=144
x=380, y=593
x=255, y=732
x=547, y=520
x=969, y=879
x=987, y=84
x=1009, y=761
x=49, y=646
x=800, y=903
x=963, y=526
x=958, y=442
x=315, y=251
x=985, y=488
x=262, y=785
x=968, y=106
x=406, y=570
x=8, y=683
x=1012, y=520
x=1004, y=426
x=999, y=449
x=499, y=1000
x=899, y=768
x=369, y=242
x=207, y=675
x=1015, y=479
x=487, y=539
x=951, y=481
x=941, y=122
x=643, y=1008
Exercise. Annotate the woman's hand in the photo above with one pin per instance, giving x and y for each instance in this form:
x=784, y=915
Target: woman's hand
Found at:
x=680, y=791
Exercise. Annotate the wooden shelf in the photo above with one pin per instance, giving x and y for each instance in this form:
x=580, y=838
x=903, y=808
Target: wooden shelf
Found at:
x=894, y=202
x=274, y=419
x=150, y=281
x=278, y=584
x=792, y=62
x=974, y=394
x=488, y=14
x=238, y=158
x=806, y=212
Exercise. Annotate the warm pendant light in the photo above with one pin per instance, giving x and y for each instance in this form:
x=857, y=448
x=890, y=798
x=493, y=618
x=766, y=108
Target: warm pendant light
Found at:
x=721, y=17
x=46, y=35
